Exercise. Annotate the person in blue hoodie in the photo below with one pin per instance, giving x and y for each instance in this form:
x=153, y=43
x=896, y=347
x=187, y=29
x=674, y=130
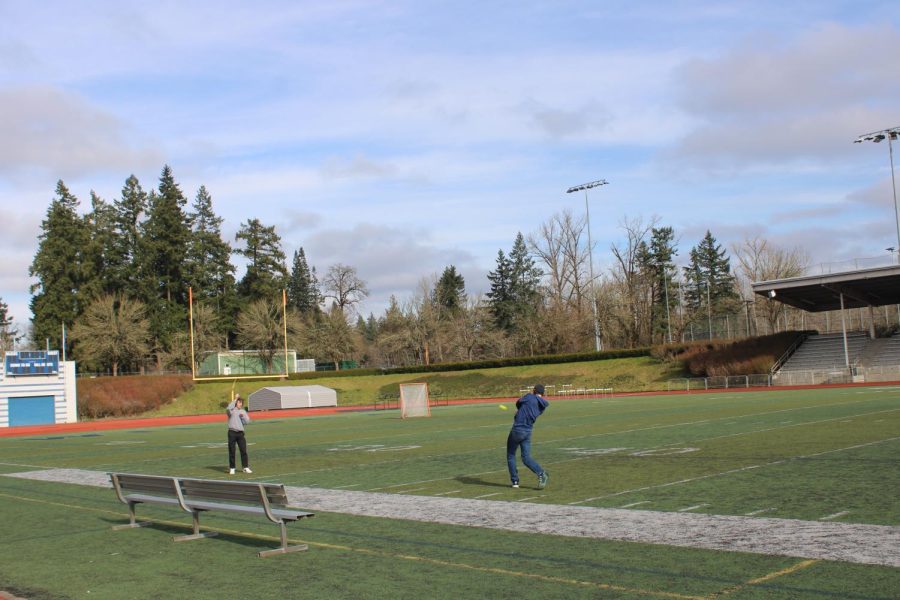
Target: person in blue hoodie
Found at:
x=528, y=408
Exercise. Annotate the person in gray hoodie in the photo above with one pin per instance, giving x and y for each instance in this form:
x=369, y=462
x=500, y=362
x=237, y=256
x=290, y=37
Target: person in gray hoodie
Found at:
x=237, y=418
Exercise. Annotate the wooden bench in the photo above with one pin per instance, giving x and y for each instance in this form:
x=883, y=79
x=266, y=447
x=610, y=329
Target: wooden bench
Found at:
x=199, y=495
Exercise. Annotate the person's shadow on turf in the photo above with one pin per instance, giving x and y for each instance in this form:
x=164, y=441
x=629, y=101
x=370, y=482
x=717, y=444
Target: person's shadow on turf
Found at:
x=468, y=480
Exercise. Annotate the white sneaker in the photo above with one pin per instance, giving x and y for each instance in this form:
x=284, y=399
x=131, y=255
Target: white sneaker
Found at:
x=247, y=470
x=231, y=471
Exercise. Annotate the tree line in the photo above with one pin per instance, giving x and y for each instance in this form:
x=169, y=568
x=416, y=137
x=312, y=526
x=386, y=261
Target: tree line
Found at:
x=112, y=288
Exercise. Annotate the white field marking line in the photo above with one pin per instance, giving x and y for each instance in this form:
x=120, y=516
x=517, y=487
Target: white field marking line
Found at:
x=835, y=515
x=410, y=491
x=7, y=464
x=487, y=495
x=695, y=507
x=530, y=498
x=731, y=471
x=635, y=504
x=759, y=512
x=448, y=493
x=340, y=487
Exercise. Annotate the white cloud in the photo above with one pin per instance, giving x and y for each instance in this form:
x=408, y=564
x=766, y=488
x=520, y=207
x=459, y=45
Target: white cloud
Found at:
x=782, y=104
x=46, y=128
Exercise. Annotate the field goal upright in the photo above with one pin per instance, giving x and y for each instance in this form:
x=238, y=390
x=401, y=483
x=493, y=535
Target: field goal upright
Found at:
x=414, y=400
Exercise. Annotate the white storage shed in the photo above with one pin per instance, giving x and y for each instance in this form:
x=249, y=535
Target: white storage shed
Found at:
x=299, y=396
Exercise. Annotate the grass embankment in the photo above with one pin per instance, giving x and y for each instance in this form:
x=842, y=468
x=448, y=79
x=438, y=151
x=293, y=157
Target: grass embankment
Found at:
x=621, y=374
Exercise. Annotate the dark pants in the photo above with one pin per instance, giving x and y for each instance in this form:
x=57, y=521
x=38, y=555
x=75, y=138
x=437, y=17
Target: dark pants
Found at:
x=520, y=438
x=237, y=437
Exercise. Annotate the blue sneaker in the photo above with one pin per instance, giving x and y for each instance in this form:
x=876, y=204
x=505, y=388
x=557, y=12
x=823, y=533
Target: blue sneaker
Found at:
x=543, y=478
x=515, y=483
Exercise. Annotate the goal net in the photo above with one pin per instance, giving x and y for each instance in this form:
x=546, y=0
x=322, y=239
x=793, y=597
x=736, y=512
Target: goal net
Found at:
x=414, y=400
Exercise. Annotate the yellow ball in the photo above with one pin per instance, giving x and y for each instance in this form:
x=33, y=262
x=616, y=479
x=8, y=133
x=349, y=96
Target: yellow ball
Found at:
x=503, y=407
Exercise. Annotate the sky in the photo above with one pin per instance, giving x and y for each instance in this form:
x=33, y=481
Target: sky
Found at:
x=403, y=137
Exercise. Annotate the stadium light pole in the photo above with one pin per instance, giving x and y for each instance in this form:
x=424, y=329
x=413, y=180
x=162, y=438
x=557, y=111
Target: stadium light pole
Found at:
x=891, y=135
x=587, y=211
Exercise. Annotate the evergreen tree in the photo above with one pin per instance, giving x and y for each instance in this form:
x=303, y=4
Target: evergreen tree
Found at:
x=208, y=259
x=514, y=293
x=526, y=277
x=500, y=296
x=166, y=234
x=57, y=298
x=710, y=266
x=9, y=335
x=208, y=267
x=266, y=272
x=450, y=292
x=659, y=263
x=100, y=251
x=303, y=285
x=126, y=260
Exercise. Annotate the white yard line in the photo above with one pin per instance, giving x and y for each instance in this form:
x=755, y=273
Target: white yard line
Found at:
x=690, y=508
x=759, y=512
x=836, y=515
x=864, y=544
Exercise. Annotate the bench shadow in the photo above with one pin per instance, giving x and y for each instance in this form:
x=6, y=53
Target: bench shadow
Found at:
x=185, y=529
x=469, y=480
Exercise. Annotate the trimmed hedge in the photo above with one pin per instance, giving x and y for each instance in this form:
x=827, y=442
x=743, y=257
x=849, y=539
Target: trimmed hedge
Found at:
x=519, y=361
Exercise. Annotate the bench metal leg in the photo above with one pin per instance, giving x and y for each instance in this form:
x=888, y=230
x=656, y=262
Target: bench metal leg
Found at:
x=284, y=547
x=132, y=523
x=196, y=535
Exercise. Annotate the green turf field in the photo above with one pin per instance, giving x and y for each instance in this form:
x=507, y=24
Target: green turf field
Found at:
x=827, y=454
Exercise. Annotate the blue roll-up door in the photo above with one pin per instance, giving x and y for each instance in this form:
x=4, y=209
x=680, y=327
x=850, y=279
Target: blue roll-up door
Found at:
x=31, y=410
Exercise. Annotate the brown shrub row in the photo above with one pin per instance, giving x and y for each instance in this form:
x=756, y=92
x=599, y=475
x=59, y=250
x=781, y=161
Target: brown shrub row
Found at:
x=714, y=358
x=129, y=395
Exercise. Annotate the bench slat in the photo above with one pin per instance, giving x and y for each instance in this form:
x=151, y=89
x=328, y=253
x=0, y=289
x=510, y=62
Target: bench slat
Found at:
x=235, y=491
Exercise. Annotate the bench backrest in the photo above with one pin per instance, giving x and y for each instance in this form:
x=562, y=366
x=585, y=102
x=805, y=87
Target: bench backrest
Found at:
x=246, y=492
x=234, y=491
x=151, y=484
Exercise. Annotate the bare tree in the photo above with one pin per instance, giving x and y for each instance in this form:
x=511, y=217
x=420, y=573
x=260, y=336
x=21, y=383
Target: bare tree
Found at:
x=628, y=274
x=112, y=331
x=331, y=337
x=261, y=326
x=758, y=260
x=558, y=244
x=342, y=284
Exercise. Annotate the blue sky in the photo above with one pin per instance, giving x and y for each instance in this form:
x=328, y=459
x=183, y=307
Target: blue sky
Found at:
x=402, y=137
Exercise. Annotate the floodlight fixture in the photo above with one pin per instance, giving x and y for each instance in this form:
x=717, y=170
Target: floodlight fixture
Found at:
x=587, y=211
x=587, y=186
x=891, y=135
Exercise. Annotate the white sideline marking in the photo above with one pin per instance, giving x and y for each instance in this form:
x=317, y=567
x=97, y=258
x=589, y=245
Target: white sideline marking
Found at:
x=530, y=498
x=341, y=487
x=122, y=443
x=835, y=515
x=635, y=504
x=412, y=490
x=447, y=493
x=863, y=544
x=690, y=508
x=759, y=512
x=488, y=495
